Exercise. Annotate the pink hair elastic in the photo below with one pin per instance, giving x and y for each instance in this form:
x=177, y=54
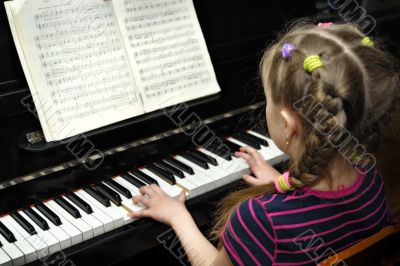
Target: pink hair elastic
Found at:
x=325, y=24
x=282, y=184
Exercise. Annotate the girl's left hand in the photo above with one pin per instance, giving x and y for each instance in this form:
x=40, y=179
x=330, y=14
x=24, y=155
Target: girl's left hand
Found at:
x=160, y=206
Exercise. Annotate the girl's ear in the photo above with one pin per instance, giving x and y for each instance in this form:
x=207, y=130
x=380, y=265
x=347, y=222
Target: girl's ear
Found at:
x=289, y=123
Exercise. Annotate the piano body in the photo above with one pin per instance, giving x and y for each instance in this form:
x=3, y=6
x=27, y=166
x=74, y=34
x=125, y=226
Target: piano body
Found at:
x=62, y=198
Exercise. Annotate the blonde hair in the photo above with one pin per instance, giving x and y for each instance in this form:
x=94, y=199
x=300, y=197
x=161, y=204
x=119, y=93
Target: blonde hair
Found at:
x=357, y=87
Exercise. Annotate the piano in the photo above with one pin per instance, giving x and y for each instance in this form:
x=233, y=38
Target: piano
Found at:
x=66, y=202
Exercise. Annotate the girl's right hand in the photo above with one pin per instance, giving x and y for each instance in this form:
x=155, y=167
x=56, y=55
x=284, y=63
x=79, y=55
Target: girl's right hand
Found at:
x=262, y=171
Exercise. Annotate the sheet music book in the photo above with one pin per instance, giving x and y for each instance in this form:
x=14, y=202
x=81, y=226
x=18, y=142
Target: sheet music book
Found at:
x=91, y=63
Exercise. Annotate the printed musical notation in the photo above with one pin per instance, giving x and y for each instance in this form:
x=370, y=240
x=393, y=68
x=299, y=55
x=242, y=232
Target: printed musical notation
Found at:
x=82, y=55
x=165, y=46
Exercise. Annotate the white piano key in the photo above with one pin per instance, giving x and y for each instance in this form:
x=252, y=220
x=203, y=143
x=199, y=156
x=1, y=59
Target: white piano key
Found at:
x=21, y=243
x=16, y=255
x=171, y=190
x=118, y=215
x=127, y=202
x=5, y=260
x=81, y=225
x=35, y=241
x=108, y=223
x=51, y=241
x=274, y=154
x=208, y=175
x=60, y=234
x=97, y=226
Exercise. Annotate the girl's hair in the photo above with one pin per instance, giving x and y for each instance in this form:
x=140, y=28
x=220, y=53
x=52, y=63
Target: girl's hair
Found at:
x=356, y=88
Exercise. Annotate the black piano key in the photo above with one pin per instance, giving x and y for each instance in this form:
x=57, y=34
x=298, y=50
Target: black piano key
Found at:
x=68, y=207
x=166, y=176
x=23, y=223
x=169, y=168
x=6, y=233
x=1, y=244
x=48, y=213
x=179, y=165
x=195, y=160
x=256, y=139
x=119, y=188
x=246, y=140
x=113, y=196
x=143, y=177
x=221, y=153
x=79, y=202
x=98, y=196
x=133, y=180
x=205, y=157
x=232, y=146
x=36, y=218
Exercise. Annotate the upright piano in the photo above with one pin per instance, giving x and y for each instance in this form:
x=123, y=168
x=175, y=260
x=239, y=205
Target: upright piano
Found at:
x=60, y=201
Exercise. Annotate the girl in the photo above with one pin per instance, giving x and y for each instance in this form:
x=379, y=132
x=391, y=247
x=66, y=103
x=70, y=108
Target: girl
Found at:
x=329, y=89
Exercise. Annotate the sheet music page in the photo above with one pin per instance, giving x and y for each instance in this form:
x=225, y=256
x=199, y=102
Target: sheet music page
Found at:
x=77, y=63
x=167, y=51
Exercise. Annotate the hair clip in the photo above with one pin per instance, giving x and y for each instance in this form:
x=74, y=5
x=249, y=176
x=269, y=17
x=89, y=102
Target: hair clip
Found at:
x=325, y=24
x=312, y=62
x=367, y=41
x=287, y=50
x=282, y=184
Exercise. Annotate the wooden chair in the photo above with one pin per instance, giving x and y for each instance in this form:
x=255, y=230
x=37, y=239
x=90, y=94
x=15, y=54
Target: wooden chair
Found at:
x=382, y=248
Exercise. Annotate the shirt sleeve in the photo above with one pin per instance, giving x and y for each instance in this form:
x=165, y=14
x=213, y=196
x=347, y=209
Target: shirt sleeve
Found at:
x=248, y=237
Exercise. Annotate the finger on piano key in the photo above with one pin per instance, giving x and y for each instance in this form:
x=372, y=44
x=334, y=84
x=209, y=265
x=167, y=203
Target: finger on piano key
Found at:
x=277, y=155
x=16, y=255
x=86, y=230
x=97, y=226
x=37, y=243
x=58, y=232
x=116, y=217
x=107, y=222
x=21, y=243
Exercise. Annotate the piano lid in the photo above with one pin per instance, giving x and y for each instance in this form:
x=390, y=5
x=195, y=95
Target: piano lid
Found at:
x=236, y=33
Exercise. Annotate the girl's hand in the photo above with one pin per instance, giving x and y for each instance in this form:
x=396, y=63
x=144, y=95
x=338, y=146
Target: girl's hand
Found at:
x=160, y=206
x=263, y=172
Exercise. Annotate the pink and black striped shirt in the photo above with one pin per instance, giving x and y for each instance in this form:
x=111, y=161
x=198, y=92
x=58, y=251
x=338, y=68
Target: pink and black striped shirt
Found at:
x=305, y=226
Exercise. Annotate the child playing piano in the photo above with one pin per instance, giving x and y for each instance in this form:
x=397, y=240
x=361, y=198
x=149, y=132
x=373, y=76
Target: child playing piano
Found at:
x=329, y=89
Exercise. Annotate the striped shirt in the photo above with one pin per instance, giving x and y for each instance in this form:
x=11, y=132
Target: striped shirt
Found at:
x=305, y=226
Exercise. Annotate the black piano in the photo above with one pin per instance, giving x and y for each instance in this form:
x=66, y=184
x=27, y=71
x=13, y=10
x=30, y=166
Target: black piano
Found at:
x=60, y=201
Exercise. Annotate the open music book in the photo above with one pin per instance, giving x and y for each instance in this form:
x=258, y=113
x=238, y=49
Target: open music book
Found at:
x=91, y=63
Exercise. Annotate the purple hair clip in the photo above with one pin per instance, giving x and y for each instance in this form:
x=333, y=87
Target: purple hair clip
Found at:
x=287, y=50
x=325, y=24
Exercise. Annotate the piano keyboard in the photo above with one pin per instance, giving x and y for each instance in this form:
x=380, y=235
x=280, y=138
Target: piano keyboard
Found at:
x=47, y=227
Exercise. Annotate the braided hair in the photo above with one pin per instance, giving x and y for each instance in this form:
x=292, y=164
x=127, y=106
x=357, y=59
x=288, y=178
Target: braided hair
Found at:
x=352, y=93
